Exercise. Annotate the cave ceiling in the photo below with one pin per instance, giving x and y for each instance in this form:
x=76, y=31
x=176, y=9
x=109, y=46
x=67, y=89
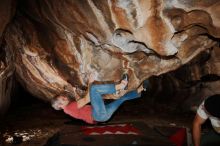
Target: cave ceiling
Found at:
x=53, y=45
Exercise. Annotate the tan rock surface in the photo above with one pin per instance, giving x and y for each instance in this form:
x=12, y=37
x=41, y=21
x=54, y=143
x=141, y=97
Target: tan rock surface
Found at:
x=57, y=44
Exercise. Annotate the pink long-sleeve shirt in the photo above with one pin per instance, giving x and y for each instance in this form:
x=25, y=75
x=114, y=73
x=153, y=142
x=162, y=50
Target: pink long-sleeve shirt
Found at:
x=84, y=113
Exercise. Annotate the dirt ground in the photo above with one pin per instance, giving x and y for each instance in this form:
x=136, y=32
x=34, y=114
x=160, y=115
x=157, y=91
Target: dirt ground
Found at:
x=32, y=122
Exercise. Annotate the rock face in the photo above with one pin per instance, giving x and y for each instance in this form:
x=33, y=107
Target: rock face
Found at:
x=57, y=44
x=7, y=9
x=185, y=88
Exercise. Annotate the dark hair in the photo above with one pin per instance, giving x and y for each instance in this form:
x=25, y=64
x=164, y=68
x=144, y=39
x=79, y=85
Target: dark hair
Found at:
x=212, y=105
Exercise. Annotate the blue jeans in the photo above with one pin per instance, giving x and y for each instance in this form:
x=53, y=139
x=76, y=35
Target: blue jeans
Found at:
x=102, y=112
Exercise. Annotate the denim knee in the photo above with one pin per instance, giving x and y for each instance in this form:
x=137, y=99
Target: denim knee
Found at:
x=93, y=88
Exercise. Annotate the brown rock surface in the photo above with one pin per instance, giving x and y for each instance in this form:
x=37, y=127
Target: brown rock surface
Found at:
x=57, y=44
x=7, y=9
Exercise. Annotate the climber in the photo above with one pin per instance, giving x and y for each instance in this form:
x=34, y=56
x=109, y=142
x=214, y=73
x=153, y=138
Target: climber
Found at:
x=209, y=109
x=98, y=111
